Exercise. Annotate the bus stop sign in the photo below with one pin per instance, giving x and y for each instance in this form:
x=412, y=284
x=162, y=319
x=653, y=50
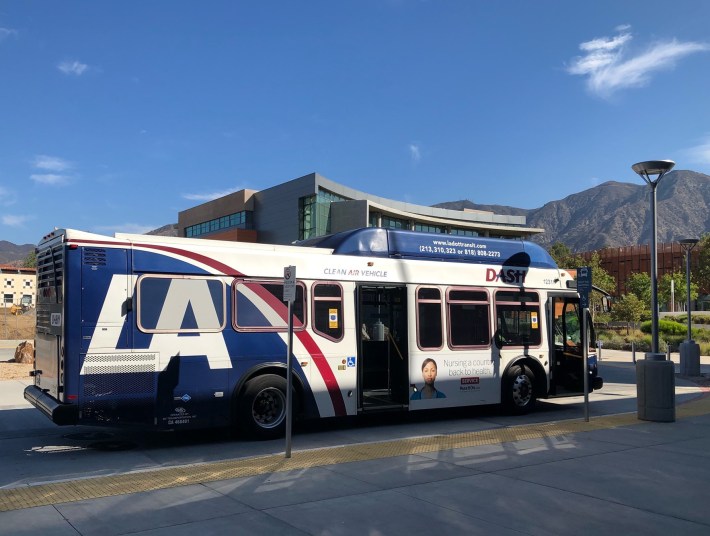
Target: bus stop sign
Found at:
x=584, y=285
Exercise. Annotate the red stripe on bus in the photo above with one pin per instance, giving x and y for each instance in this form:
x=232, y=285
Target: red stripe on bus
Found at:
x=331, y=382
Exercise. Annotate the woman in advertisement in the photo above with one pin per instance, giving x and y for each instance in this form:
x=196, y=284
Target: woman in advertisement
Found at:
x=429, y=375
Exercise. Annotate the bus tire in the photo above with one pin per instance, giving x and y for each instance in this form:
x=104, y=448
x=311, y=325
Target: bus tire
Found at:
x=519, y=389
x=262, y=407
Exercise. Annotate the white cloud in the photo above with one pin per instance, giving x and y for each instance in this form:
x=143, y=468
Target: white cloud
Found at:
x=7, y=197
x=72, y=67
x=14, y=221
x=7, y=32
x=209, y=197
x=606, y=43
x=51, y=163
x=700, y=154
x=415, y=153
x=609, y=68
x=51, y=179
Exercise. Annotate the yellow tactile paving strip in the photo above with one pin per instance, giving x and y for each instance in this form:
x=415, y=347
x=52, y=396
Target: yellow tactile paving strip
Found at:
x=106, y=486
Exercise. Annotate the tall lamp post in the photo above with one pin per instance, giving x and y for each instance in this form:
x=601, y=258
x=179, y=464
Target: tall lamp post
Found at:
x=689, y=350
x=647, y=170
x=655, y=377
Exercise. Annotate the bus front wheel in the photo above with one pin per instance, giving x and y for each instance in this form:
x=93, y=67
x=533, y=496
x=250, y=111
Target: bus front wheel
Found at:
x=262, y=407
x=519, y=389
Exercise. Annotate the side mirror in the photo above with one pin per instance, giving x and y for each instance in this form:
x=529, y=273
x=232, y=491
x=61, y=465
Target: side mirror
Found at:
x=606, y=304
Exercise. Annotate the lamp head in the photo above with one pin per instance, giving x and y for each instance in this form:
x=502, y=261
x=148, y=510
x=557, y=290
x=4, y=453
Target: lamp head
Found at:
x=688, y=243
x=653, y=167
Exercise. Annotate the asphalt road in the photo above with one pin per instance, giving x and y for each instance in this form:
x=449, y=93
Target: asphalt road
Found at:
x=34, y=450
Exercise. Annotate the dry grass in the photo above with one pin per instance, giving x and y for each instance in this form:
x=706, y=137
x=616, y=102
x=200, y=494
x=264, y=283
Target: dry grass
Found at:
x=14, y=371
x=21, y=327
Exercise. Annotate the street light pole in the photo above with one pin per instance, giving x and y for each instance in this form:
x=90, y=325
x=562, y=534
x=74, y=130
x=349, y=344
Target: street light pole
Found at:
x=646, y=170
x=689, y=351
x=655, y=376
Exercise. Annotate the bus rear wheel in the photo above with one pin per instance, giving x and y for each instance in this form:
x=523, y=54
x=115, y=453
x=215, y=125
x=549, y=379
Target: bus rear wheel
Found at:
x=519, y=389
x=262, y=407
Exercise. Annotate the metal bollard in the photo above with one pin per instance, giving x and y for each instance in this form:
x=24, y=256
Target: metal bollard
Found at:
x=668, y=351
x=633, y=351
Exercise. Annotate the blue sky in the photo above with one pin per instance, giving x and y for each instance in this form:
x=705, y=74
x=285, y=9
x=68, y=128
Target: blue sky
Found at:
x=116, y=115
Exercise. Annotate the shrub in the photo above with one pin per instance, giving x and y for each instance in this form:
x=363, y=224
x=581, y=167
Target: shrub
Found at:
x=694, y=319
x=666, y=328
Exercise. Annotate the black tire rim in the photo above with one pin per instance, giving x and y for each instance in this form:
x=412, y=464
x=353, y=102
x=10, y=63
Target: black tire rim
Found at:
x=269, y=408
x=522, y=390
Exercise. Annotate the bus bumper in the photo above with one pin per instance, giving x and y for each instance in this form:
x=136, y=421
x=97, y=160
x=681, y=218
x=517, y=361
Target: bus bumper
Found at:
x=58, y=412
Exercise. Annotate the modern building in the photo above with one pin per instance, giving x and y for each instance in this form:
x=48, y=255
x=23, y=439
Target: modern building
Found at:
x=622, y=262
x=313, y=206
x=18, y=285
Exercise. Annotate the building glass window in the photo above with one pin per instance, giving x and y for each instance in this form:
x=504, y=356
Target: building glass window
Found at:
x=238, y=220
x=306, y=217
x=389, y=222
x=374, y=219
x=314, y=214
x=325, y=198
x=426, y=228
x=463, y=232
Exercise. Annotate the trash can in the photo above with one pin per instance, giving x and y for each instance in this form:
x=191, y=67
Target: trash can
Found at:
x=655, y=388
x=689, y=358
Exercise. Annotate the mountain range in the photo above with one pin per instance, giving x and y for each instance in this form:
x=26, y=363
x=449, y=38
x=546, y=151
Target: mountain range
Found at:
x=612, y=214
x=14, y=254
x=615, y=214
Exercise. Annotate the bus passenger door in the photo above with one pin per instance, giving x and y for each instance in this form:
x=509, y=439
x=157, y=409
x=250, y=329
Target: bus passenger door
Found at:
x=383, y=354
x=566, y=357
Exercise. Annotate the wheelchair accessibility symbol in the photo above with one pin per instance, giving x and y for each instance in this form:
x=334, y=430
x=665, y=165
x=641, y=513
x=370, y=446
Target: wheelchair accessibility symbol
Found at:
x=351, y=361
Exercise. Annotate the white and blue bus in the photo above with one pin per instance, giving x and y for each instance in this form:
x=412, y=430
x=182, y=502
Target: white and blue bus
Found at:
x=179, y=333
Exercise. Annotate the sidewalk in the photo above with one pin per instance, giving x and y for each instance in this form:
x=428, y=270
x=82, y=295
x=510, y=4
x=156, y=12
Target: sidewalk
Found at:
x=614, y=475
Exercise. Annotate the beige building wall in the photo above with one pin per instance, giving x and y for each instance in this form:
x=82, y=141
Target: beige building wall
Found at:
x=17, y=285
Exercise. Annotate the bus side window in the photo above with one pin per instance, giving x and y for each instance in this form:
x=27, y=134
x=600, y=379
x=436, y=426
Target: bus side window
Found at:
x=517, y=318
x=429, y=322
x=259, y=306
x=180, y=304
x=469, y=319
x=327, y=310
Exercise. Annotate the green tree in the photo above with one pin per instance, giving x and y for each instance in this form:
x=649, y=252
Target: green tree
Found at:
x=564, y=258
x=561, y=254
x=30, y=261
x=680, y=291
x=702, y=272
x=639, y=285
x=600, y=277
x=628, y=309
